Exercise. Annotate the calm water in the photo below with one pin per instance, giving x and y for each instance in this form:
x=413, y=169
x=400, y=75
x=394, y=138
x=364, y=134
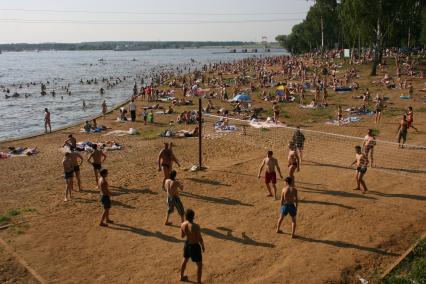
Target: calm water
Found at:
x=24, y=116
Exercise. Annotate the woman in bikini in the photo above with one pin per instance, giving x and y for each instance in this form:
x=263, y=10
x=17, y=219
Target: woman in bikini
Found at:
x=293, y=160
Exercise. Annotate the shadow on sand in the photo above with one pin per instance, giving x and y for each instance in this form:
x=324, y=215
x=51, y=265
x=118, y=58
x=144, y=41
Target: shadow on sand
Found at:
x=341, y=244
x=227, y=235
x=145, y=233
x=220, y=200
x=207, y=181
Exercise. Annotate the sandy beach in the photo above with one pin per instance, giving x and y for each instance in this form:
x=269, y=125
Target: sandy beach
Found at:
x=341, y=235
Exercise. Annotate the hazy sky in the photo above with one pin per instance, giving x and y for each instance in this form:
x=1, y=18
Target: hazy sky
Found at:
x=147, y=20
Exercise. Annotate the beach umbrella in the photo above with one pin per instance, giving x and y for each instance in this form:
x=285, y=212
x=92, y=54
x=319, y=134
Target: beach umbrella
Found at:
x=242, y=97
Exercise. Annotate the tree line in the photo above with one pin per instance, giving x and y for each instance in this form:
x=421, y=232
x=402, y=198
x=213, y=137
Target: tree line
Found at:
x=375, y=24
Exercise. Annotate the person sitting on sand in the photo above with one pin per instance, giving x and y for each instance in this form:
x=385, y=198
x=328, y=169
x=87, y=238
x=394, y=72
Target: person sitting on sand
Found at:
x=105, y=198
x=71, y=142
x=172, y=187
x=288, y=205
x=194, y=244
x=68, y=166
x=270, y=175
x=169, y=110
x=87, y=127
x=96, y=157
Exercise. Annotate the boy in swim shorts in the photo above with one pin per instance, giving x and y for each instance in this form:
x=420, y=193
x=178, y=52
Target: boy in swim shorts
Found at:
x=68, y=165
x=173, y=200
x=270, y=175
x=288, y=205
x=361, y=162
x=105, y=198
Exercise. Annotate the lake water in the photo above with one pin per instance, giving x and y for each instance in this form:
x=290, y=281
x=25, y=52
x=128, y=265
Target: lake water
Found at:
x=25, y=116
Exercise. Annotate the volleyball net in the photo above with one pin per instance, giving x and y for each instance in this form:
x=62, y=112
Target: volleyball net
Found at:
x=319, y=147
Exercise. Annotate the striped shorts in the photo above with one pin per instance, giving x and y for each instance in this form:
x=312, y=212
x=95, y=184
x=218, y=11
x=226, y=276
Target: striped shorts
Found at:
x=174, y=201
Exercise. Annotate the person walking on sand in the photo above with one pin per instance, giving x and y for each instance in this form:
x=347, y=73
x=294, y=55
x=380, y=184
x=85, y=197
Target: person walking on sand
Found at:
x=75, y=157
x=299, y=141
x=173, y=199
x=378, y=109
x=132, y=109
x=402, y=131
x=47, y=120
x=194, y=244
x=96, y=156
x=368, y=145
x=361, y=162
x=165, y=161
x=270, y=174
x=288, y=205
x=293, y=160
x=410, y=118
x=68, y=165
x=105, y=198
x=276, y=111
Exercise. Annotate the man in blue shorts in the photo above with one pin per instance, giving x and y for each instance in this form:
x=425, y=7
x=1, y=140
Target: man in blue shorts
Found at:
x=288, y=205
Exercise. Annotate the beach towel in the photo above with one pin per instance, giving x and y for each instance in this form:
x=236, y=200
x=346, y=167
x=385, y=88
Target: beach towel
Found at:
x=344, y=121
x=404, y=97
x=343, y=89
x=19, y=152
x=97, y=130
x=131, y=131
x=265, y=124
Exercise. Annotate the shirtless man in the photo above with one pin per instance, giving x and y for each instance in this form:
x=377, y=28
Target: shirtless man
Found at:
x=96, y=157
x=270, y=175
x=194, y=244
x=165, y=161
x=299, y=141
x=288, y=205
x=410, y=118
x=172, y=187
x=105, y=198
x=47, y=120
x=368, y=145
x=293, y=160
x=276, y=110
x=75, y=157
x=68, y=165
x=361, y=162
x=71, y=142
x=402, y=131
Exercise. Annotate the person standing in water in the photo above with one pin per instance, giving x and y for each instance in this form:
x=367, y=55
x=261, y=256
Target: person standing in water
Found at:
x=104, y=108
x=47, y=120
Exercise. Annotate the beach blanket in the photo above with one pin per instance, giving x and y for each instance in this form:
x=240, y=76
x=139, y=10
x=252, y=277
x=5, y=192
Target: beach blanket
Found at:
x=166, y=99
x=359, y=111
x=97, y=130
x=344, y=121
x=19, y=152
x=131, y=131
x=265, y=124
x=223, y=129
x=343, y=89
x=404, y=97
x=88, y=146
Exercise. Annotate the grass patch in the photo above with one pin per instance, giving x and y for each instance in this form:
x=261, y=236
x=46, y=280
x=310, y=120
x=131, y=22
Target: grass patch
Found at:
x=375, y=131
x=393, y=111
x=422, y=109
x=8, y=216
x=320, y=113
x=264, y=129
x=412, y=269
x=151, y=133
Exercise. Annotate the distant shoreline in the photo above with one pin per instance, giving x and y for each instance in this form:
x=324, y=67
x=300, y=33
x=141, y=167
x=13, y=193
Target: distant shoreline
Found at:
x=128, y=45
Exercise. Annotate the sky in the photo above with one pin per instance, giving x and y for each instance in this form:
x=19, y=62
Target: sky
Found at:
x=36, y=21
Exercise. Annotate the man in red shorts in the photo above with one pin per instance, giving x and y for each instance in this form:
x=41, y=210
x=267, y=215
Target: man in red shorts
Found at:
x=270, y=175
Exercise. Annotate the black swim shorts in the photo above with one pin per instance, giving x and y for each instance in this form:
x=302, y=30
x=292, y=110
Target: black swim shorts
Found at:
x=192, y=251
x=106, y=201
x=97, y=166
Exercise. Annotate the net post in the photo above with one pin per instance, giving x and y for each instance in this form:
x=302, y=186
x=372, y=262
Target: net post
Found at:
x=200, y=127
